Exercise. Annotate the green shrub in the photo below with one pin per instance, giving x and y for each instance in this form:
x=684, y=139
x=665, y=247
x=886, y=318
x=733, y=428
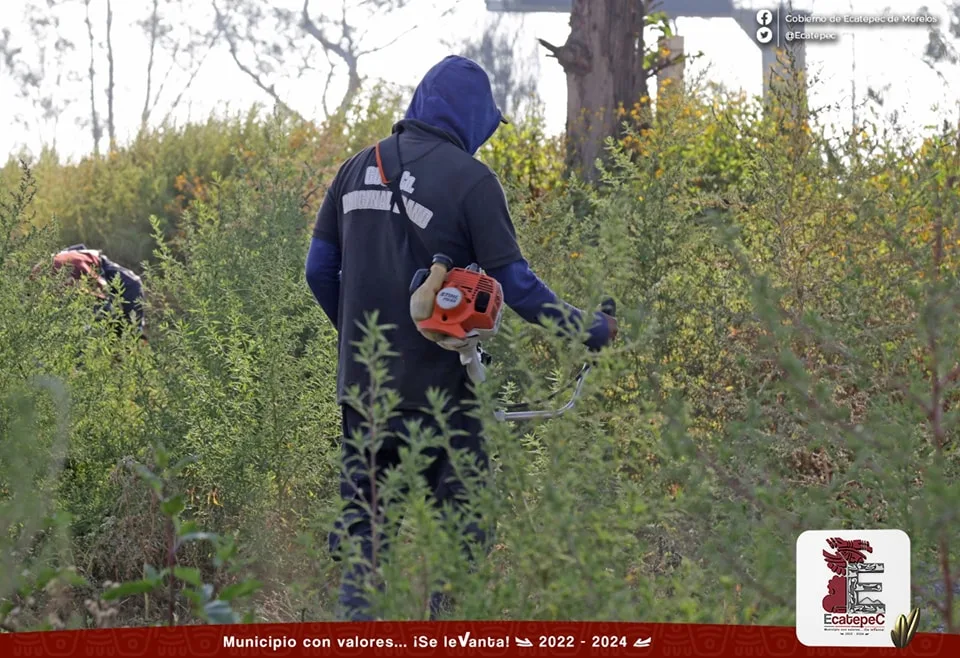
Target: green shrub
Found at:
x=788, y=362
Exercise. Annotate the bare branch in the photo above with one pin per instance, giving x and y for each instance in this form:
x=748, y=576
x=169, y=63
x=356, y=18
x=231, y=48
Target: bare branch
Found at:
x=666, y=62
x=345, y=28
x=186, y=87
x=317, y=33
x=166, y=78
x=392, y=41
x=192, y=69
x=338, y=33
x=326, y=85
x=348, y=56
x=257, y=80
x=414, y=28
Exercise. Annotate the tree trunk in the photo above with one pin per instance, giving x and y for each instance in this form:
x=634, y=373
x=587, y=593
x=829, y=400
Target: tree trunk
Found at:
x=147, y=107
x=94, y=117
x=603, y=60
x=354, y=83
x=111, y=122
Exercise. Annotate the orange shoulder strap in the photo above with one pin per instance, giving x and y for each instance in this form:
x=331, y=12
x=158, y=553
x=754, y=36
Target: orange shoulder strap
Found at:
x=383, y=176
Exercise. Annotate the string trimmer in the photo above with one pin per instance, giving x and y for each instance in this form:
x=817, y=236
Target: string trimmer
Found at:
x=459, y=308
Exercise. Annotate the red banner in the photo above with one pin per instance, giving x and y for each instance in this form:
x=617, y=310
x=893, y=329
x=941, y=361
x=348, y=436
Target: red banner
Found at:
x=449, y=639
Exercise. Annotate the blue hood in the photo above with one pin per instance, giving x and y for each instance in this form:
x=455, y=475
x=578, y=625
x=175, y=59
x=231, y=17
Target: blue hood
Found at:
x=455, y=96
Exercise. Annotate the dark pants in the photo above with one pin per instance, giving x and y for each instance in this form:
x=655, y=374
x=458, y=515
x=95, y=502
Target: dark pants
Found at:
x=357, y=491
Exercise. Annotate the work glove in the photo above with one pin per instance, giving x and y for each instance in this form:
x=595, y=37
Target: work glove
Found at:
x=610, y=330
x=453, y=344
x=607, y=314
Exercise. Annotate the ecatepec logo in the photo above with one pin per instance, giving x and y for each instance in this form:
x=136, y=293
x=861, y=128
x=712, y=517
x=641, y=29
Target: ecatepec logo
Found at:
x=852, y=585
x=847, y=594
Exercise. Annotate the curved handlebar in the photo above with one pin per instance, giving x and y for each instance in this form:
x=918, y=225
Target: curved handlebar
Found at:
x=547, y=413
x=610, y=308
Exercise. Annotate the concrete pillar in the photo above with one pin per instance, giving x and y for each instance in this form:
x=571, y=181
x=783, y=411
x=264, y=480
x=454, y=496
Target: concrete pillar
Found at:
x=670, y=47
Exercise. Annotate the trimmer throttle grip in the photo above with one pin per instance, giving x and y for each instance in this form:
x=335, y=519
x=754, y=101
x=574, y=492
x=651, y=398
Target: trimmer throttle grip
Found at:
x=421, y=275
x=418, y=278
x=443, y=259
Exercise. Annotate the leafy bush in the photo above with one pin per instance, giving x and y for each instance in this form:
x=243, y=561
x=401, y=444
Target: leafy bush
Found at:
x=788, y=362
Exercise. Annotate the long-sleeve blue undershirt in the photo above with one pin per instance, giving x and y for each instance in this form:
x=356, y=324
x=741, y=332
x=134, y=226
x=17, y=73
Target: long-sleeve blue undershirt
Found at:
x=532, y=299
x=323, y=276
x=523, y=291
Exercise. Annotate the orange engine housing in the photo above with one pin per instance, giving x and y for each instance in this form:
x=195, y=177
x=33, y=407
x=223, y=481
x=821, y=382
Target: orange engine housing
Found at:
x=469, y=301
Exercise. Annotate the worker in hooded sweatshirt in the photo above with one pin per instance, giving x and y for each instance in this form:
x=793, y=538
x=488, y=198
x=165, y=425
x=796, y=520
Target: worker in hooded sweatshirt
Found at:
x=364, y=253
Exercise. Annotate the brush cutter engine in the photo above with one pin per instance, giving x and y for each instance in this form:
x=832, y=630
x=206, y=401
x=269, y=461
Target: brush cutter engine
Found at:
x=457, y=308
x=457, y=311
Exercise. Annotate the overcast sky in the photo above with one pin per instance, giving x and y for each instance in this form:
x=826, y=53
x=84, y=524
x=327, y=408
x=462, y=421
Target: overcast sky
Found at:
x=883, y=55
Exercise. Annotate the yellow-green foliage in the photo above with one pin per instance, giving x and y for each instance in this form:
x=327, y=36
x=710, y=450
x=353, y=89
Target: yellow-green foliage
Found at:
x=107, y=202
x=787, y=361
x=524, y=155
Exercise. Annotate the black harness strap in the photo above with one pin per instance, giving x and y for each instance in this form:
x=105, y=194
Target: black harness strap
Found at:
x=390, y=173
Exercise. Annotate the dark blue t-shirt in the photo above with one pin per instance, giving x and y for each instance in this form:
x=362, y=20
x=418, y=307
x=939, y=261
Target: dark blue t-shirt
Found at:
x=457, y=207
